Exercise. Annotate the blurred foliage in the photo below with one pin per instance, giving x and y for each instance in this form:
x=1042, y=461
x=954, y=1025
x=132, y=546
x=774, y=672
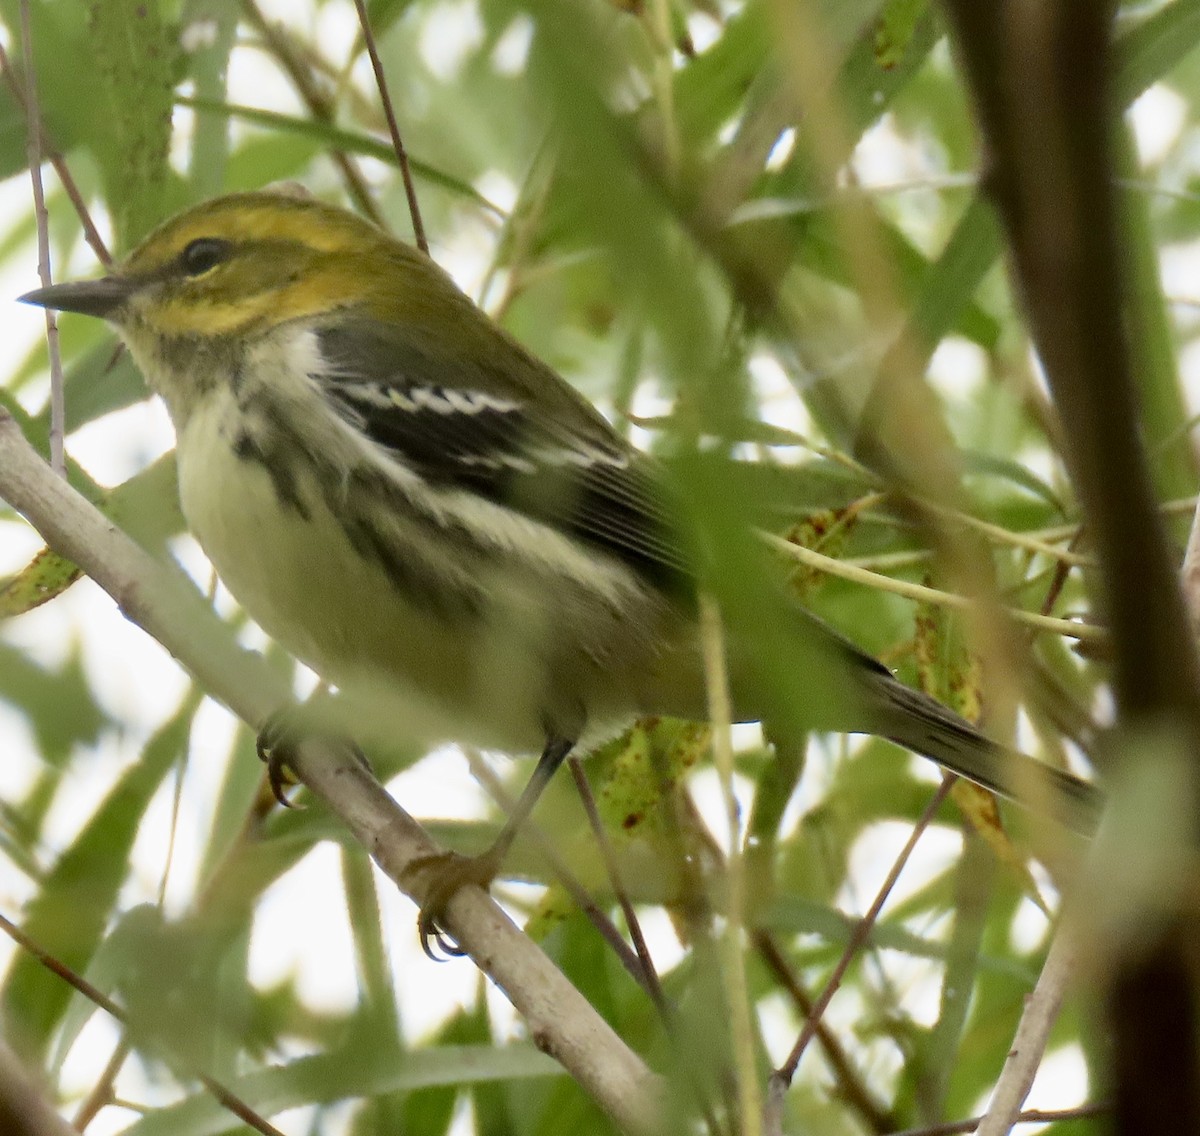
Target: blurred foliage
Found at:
x=644, y=195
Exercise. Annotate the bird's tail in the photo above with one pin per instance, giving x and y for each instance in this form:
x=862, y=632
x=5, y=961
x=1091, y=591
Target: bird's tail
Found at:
x=924, y=725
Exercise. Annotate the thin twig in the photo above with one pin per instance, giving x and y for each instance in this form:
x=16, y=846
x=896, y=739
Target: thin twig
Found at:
x=1068, y=628
x=516, y=238
x=862, y=930
x=90, y=233
x=640, y=966
x=226, y=1098
x=91, y=993
x=102, y=1092
x=579, y=894
x=1029, y=1043
x=33, y=125
x=1029, y=1116
x=651, y=983
x=886, y=561
x=850, y=1084
x=318, y=103
x=173, y=833
x=410, y=190
x=346, y=142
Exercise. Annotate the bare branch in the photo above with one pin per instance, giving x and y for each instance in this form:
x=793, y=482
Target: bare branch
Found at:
x=784, y=1074
x=1041, y=76
x=1029, y=1044
x=319, y=104
x=90, y=233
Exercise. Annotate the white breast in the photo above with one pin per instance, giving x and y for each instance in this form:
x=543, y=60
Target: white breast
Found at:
x=564, y=631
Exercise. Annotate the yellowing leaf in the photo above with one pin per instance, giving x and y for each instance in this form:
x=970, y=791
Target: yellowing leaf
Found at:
x=824, y=531
x=43, y=578
x=983, y=814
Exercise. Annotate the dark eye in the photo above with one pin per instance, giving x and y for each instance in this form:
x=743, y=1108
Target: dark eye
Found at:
x=203, y=254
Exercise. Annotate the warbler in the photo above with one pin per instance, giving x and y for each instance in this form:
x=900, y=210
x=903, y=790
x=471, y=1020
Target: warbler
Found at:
x=435, y=521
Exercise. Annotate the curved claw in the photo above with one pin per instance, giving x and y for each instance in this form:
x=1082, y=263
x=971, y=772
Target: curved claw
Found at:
x=272, y=745
x=279, y=777
x=447, y=872
x=431, y=933
x=278, y=738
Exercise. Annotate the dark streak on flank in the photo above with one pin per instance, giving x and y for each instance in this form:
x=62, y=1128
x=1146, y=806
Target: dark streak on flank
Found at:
x=248, y=449
x=420, y=583
x=236, y=377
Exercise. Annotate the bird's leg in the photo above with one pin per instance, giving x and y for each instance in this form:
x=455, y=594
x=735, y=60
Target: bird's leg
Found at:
x=449, y=871
x=283, y=731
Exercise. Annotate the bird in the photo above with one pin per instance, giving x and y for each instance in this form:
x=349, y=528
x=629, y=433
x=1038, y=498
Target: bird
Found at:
x=441, y=526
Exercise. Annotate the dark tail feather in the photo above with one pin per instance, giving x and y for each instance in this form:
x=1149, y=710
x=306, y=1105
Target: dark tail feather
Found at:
x=919, y=723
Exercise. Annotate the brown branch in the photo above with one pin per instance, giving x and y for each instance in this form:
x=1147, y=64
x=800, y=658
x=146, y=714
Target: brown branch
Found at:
x=638, y=964
x=102, y=1091
x=535, y=835
x=782, y=1077
x=1051, y=177
x=1041, y=79
x=850, y=1085
x=650, y=976
x=24, y=1109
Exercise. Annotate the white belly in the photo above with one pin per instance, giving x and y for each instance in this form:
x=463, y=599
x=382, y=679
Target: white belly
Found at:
x=492, y=682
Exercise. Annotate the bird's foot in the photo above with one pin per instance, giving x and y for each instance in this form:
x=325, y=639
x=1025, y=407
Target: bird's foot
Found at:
x=277, y=741
x=275, y=744
x=446, y=873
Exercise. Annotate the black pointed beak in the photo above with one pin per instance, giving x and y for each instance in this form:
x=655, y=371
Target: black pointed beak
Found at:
x=88, y=297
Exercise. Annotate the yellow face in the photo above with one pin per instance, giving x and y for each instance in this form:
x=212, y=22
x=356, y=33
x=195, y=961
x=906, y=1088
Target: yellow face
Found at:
x=250, y=260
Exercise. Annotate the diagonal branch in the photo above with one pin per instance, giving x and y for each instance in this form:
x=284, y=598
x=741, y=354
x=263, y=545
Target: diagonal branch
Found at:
x=1029, y=1044
x=561, y=1021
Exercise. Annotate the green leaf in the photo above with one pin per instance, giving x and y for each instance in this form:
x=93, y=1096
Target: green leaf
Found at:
x=1150, y=50
x=59, y=704
x=208, y=64
x=39, y=581
x=343, y=1074
x=69, y=915
x=335, y=138
x=991, y=465
x=134, y=58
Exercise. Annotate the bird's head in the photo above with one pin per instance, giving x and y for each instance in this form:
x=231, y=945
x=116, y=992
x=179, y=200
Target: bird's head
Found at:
x=218, y=278
x=245, y=263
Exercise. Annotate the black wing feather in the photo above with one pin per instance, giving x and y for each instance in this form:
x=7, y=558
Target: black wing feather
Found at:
x=479, y=437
